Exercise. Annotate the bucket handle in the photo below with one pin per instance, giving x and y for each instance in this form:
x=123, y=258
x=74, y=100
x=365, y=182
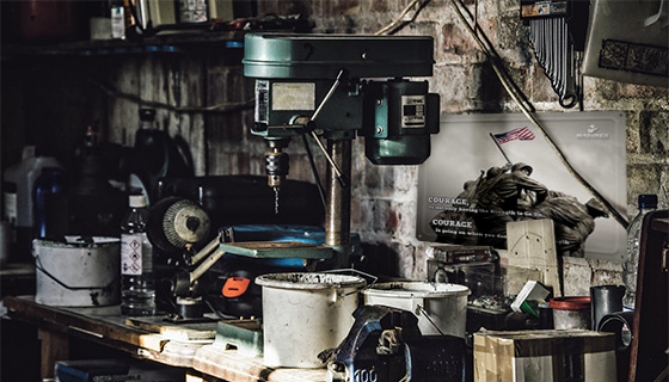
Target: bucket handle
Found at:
x=38, y=266
x=374, y=279
x=420, y=309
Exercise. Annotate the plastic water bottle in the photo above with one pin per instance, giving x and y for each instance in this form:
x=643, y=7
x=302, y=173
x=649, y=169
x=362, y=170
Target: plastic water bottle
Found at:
x=647, y=203
x=138, y=294
x=49, y=198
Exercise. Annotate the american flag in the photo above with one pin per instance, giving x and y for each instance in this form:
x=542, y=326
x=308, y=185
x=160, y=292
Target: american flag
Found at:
x=523, y=134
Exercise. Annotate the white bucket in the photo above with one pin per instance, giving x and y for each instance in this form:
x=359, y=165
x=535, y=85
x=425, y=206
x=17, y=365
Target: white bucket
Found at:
x=77, y=274
x=440, y=308
x=304, y=314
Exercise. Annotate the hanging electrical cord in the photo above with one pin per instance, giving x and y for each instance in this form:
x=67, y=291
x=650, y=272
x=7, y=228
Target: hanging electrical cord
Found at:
x=496, y=60
x=528, y=113
x=399, y=23
x=314, y=169
x=220, y=108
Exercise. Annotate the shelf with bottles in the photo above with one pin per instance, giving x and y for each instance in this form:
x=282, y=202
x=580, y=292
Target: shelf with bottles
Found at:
x=169, y=43
x=174, y=38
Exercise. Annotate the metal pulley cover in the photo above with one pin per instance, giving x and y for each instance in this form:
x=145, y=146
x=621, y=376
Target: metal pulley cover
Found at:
x=322, y=56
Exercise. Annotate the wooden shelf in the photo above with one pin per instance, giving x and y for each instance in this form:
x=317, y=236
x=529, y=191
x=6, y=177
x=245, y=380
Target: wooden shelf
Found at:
x=173, y=41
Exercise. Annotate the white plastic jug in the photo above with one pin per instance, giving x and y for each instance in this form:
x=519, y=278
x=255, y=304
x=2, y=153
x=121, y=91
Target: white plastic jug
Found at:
x=18, y=184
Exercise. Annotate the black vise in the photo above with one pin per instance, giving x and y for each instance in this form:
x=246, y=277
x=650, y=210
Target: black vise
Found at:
x=386, y=345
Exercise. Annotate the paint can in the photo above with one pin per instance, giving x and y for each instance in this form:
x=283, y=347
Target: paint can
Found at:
x=305, y=313
x=77, y=272
x=441, y=308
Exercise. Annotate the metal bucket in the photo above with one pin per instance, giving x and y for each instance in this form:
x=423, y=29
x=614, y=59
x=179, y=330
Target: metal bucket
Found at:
x=441, y=308
x=77, y=273
x=304, y=314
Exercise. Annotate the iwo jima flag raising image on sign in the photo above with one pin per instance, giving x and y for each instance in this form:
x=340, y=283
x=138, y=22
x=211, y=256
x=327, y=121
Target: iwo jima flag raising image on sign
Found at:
x=490, y=169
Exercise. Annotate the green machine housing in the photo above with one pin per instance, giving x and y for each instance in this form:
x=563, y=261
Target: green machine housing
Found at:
x=343, y=85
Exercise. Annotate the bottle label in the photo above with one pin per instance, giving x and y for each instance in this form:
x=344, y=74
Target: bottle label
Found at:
x=118, y=22
x=193, y=11
x=10, y=207
x=136, y=254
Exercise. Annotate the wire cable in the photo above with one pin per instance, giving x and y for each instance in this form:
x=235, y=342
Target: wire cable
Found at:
x=314, y=170
x=399, y=22
x=219, y=108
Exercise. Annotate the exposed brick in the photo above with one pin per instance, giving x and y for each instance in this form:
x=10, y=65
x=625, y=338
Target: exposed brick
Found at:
x=379, y=6
x=542, y=91
x=293, y=7
x=577, y=276
x=455, y=40
x=268, y=6
x=383, y=206
x=321, y=8
x=344, y=6
x=644, y=179
x=614, y=90
x=657, y=142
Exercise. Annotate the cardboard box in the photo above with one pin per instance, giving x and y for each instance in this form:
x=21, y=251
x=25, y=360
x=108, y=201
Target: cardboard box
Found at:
x=544, y=355
x=115, y=370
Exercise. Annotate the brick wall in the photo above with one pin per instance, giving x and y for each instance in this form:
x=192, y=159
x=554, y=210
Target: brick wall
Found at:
x=384, y=198
x=384, y=205
x=383, y=209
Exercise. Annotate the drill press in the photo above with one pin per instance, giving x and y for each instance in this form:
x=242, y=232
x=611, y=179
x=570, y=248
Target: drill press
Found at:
x=322, y=86
x=336, y=87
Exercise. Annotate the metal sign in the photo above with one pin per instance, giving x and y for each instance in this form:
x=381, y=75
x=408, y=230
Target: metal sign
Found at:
x=490, y=169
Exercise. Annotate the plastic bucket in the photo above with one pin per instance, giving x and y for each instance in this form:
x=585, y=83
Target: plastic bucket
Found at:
x=441, y=308
x=77, y=274
x=305, y=313
x=571, y=312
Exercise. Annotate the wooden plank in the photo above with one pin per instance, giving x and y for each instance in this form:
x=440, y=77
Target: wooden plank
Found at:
x=85, y=321
x=17, y=269
x=104, y=325
x=229, y=365
x=531, y=245
x=55, y=347
x=175, y=331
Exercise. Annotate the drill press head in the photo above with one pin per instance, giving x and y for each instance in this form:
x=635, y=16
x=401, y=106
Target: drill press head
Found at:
x=324, y=84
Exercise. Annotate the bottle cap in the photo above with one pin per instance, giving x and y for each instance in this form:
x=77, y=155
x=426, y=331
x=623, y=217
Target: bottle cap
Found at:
x=147, y=115
x=647, y=201
x=137, y=201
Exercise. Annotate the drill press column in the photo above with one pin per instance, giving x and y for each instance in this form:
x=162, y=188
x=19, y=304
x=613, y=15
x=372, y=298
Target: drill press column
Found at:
x=338, y=209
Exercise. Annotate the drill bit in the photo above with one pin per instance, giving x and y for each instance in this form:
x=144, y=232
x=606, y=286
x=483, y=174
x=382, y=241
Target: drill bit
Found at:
x=276, y=200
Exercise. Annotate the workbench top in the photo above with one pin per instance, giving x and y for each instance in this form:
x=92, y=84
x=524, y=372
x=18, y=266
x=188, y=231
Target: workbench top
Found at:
x=189, y=345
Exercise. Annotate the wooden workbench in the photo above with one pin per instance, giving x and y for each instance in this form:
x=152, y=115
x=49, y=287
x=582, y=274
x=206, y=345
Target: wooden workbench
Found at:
x=180, y=345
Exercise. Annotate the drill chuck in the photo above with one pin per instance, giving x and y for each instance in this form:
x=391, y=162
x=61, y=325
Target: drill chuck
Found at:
x=276, y=167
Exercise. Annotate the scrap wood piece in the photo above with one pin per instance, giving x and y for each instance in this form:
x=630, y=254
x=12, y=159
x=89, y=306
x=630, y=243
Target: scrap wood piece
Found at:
x=173, y=331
